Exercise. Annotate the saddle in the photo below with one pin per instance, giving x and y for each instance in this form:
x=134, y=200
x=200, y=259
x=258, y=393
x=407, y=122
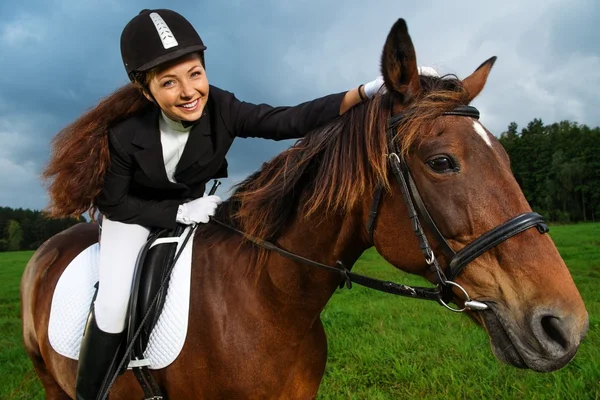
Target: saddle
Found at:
x=154, y=263
x=152, y=267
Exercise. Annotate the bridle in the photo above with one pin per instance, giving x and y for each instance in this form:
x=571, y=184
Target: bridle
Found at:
x=457, y=261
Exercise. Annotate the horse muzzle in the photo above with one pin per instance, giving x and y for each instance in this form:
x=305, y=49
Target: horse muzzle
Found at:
x=546, y=340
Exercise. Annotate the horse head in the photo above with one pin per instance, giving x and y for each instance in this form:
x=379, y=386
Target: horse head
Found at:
x=535, y=316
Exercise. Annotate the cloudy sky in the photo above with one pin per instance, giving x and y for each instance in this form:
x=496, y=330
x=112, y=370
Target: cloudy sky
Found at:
x=60, y=57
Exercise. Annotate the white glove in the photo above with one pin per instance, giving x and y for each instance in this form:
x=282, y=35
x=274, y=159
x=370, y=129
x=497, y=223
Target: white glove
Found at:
x=198, y=210
x=428, y=71
x=377, y=85
x=371, y=88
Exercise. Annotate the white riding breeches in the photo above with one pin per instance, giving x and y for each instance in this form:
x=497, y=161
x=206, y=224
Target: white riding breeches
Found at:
x=119, y=249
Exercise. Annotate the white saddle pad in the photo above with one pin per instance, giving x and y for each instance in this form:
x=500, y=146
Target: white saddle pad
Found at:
x=73, y=296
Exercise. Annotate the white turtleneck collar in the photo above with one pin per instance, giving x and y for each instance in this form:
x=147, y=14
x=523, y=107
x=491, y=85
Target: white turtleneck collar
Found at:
x=174, y=125
x=173, y=137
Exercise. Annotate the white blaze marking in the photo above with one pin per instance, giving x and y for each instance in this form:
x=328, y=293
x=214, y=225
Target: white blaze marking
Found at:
x=163, y=30
x=481, y=131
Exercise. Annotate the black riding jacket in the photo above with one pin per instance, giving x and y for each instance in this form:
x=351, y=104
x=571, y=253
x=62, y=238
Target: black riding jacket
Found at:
x=136, y=188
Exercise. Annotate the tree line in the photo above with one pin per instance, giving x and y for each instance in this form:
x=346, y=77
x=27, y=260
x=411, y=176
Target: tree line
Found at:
x=24, y=229
x=557, y=167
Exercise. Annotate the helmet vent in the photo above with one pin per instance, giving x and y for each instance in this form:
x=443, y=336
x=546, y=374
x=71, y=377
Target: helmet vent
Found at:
x=164, y=32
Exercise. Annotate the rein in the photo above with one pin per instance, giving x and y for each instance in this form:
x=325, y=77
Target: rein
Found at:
x=348, y=277
x=442, y=292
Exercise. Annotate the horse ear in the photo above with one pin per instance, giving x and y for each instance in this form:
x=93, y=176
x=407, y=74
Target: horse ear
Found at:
x=399, y=64
x=475, y=82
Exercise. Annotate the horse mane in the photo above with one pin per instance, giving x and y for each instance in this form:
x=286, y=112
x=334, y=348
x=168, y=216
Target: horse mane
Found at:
x=332, y=168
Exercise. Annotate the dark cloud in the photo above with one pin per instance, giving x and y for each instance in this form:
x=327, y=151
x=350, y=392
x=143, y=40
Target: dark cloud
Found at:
x=574, y=30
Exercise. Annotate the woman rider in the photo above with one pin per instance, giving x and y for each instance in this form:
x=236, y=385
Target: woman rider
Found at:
x=143, y=156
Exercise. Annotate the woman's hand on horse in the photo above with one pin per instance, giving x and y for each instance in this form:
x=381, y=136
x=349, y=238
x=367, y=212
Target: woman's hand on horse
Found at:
x=377, y=85
x=371, y=88
x=198, y=210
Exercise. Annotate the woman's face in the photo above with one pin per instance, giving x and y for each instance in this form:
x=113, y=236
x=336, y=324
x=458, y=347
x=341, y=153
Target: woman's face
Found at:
x=181, y=88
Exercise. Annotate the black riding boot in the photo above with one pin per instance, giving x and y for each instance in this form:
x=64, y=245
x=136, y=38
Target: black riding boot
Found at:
x=98, y=350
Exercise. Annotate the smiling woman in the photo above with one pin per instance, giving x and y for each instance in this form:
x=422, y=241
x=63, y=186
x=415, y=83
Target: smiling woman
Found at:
x=143, y=156
x=179, y=88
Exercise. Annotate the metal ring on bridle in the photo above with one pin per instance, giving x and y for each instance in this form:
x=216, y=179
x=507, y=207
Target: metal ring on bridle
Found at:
x=470, y=305
x=467, y=297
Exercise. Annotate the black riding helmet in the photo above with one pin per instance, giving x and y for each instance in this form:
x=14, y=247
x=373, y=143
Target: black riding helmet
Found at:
x=154, y=37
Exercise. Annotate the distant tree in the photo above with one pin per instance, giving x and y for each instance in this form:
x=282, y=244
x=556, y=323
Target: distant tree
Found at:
x=512, y=132
x=557, y=168
x=15, y=235
x=35, y=226
x=535, y=127
x=3, y=245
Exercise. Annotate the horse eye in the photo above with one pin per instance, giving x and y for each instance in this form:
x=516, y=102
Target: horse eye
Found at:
x=441, y=164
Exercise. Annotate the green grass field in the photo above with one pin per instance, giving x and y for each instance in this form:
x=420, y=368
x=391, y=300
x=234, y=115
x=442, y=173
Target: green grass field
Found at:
x=386, y=347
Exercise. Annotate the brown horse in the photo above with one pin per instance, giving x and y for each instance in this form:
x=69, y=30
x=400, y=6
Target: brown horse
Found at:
x=255, y=328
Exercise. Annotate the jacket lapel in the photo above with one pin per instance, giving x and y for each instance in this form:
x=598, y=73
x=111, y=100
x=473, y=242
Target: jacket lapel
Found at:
x=150, y=156
x=199, y=146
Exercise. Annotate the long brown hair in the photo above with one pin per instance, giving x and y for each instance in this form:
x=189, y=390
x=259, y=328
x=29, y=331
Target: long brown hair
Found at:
x=80, y=156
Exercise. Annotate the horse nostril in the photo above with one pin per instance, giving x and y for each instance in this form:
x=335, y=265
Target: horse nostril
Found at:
x=554, y=330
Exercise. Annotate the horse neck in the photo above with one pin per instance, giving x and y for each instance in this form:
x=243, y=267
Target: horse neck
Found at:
x=322, y=239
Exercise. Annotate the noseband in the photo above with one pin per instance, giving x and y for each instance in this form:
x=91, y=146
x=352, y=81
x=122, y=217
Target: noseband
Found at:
x=457, y=261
